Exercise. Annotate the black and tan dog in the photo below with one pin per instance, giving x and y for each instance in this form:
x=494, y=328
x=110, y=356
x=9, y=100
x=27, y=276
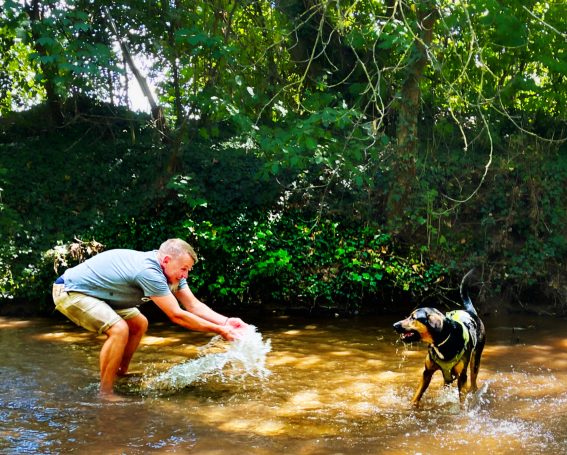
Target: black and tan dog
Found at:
x=456, y=339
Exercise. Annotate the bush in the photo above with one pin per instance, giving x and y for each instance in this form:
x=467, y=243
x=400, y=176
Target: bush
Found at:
x=281, y=261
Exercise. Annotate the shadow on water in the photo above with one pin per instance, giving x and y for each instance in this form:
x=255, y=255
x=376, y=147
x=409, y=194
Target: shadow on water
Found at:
x=335, y=386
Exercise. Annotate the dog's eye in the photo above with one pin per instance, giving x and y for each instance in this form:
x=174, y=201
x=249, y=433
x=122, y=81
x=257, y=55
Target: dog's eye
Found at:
x=419, y=316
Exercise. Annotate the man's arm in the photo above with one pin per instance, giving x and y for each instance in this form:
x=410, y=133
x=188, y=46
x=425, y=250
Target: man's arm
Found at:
x=192, y=304
x=195, y=306
x=193, y=320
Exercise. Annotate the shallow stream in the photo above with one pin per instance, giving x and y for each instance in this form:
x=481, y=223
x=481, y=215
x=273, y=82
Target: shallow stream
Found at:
x=338, y=386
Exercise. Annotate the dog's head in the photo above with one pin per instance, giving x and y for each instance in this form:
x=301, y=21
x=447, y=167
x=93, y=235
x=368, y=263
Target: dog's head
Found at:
x=421, y=325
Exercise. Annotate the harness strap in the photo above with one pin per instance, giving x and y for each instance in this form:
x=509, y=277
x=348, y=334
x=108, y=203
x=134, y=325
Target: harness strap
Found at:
x=447, y=365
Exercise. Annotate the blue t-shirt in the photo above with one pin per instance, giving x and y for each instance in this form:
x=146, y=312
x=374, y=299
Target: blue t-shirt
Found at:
x=122, y=278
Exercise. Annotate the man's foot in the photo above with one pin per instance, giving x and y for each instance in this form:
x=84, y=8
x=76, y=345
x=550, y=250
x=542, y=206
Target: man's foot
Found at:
x=113, y=398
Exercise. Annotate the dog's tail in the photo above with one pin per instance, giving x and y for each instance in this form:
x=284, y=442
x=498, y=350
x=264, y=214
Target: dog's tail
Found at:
x=465, y=293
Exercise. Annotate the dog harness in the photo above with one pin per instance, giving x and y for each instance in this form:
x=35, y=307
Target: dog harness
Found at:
x=447, y=365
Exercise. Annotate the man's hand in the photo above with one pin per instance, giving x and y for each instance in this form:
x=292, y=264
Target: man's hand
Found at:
x=236, y=323
x=228, y=333
x=233, y=329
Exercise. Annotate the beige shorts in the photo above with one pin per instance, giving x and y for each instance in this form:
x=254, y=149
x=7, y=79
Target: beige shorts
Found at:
x=89, y=312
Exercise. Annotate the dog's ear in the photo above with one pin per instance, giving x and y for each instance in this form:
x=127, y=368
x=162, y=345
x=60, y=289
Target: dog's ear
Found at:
x=436, y=319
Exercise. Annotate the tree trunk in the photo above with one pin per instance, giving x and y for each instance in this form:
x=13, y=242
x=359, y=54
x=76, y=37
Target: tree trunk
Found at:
x=156, y=110
x=35, y=14
x=174, y=62
x=408, y=115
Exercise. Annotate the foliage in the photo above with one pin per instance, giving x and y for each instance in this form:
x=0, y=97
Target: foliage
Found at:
x=61, y=186
x=281, y=261
x=305, y=135
x=18, y=86
x=515, y=228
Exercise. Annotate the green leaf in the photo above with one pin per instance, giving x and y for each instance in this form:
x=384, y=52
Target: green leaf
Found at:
x=557, y=65
x=310, y=143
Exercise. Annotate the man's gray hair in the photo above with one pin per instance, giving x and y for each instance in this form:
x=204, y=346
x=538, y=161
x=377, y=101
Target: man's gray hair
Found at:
x=176, y=248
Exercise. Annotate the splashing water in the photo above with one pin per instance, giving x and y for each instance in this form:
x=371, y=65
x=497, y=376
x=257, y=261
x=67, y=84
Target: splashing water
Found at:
x=228, y=361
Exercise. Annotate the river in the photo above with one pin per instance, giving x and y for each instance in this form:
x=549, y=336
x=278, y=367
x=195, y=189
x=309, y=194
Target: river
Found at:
x=335, y=386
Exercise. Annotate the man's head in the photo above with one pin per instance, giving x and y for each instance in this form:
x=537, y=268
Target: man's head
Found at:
x=176, y=258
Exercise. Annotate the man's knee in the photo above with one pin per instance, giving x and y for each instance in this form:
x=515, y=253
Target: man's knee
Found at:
x=138, y=325
x=119, y=330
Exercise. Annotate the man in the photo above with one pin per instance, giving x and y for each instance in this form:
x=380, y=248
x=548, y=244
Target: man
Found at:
x=102, y=295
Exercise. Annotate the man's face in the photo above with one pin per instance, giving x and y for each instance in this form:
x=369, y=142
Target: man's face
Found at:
x=176, y=268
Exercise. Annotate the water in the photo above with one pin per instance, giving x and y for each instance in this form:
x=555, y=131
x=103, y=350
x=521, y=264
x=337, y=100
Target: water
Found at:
x=294, y=386
x=245, y=357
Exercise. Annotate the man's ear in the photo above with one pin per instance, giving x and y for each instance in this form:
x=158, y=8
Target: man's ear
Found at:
x=166, y=259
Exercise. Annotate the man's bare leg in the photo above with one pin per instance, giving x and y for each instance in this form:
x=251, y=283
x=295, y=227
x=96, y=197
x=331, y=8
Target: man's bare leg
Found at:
x=111, y=355
x=137, y=328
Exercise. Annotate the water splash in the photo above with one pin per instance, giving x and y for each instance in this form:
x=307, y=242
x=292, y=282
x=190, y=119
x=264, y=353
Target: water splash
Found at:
x=480, y=399
x=234, y=361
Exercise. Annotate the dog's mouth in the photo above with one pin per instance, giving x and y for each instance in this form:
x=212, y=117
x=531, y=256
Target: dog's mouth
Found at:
x=410, y=336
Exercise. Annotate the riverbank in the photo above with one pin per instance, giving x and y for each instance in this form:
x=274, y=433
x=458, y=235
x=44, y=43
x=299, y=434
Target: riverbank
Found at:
x=494, y=307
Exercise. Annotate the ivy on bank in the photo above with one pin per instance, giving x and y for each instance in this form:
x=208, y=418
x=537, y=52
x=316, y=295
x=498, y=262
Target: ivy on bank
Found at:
x=290, y=264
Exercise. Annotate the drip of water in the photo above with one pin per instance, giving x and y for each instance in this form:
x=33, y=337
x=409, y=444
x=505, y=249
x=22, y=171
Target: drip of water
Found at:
x=235, y=361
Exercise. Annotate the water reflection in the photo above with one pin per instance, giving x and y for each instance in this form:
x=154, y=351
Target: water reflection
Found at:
x=340, y=386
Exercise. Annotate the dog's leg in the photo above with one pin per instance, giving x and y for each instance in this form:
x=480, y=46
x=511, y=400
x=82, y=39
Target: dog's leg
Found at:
x=475, y=366
x=423, y=384
x=428, y=371
x=461, y=383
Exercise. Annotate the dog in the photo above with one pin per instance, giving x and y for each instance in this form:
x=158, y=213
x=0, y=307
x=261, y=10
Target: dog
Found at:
x=456, y=340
